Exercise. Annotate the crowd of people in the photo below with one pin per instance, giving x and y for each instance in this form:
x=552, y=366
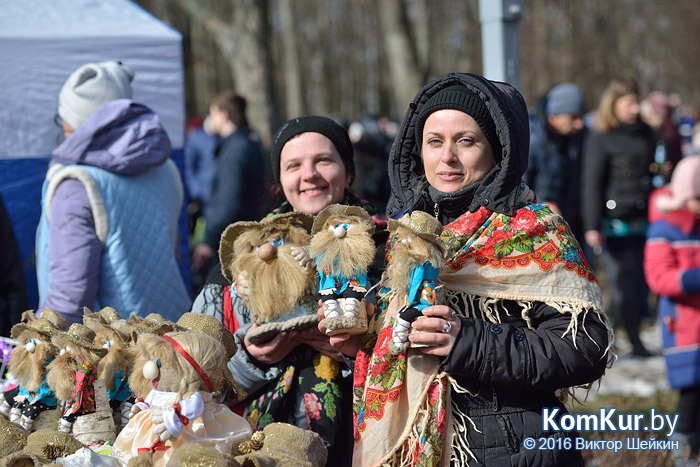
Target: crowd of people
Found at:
x=531, y=203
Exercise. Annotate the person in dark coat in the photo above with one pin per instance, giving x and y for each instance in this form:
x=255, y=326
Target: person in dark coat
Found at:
x=13, y=292
x=557, y=132
x=239, y=180
x=509, y=335
x=617, y=183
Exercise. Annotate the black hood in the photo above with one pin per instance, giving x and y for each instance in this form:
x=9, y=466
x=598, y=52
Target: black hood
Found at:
x=499, y=188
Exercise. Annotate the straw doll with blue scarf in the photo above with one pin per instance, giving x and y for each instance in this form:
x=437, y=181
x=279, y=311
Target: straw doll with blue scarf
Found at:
x=113, y=367
x=28, y=365
x=343, y=249
x=413, y=271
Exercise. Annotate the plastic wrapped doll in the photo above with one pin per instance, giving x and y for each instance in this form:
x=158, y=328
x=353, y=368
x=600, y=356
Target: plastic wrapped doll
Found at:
x=413, y=273
x=28, y=364
x=177, y=373
x=343, y=249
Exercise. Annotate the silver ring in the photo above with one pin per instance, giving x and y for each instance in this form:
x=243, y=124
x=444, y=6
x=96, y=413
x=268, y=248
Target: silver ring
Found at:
x=447, y=327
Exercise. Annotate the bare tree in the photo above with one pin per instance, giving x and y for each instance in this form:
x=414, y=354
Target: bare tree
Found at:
x=401, y=53
x=290, y=60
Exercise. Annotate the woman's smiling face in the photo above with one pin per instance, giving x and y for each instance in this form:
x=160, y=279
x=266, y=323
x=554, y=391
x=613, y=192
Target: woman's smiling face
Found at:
x=312, y=173
x=455, y=151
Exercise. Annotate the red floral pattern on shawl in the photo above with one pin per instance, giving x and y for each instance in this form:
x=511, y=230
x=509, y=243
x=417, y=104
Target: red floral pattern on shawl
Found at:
x=534, y=236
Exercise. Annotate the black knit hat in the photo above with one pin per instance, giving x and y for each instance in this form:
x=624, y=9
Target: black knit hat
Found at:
x=460, y=98
x=313, y=124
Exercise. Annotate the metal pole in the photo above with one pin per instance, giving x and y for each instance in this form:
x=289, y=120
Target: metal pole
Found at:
x=499, y=39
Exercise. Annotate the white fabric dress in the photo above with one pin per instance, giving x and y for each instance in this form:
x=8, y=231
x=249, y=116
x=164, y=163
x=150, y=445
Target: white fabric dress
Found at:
x=207, y=423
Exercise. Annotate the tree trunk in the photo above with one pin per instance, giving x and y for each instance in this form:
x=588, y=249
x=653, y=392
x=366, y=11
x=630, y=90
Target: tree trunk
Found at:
x=244, y=42
x=403, y=67
x=290, y=59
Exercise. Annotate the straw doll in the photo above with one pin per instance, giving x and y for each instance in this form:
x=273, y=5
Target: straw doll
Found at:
x=173, y=377
x=113, y=367
x=72, y=373
x=272, y=271
x=343, y=249
x=28, y=364
x=413, y=272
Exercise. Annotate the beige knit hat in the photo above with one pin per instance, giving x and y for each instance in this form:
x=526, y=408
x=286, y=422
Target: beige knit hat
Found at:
x=685, y=184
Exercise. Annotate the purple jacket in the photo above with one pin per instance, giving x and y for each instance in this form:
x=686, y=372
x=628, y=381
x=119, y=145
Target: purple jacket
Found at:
x=122, y=137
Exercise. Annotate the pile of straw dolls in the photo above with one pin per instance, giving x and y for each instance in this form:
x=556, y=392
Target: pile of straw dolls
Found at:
x=137, y=392
x=147, y=391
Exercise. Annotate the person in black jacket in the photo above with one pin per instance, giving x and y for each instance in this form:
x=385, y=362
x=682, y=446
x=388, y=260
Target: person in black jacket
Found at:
x=521, y=321
x=13, y=293
x=617, y=182
x=557, y=133
x=238, y=182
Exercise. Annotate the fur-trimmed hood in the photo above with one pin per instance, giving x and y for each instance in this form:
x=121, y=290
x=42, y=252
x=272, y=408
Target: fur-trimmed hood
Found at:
x=498, y=190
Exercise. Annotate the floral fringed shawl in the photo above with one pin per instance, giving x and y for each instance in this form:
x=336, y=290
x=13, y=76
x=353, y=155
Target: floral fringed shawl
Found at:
x=402, y=407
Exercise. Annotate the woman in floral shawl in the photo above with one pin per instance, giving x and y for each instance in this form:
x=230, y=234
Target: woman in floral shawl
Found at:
x=522, y=321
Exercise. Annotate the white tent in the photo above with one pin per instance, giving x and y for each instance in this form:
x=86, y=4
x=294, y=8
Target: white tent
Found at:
x=41, y=43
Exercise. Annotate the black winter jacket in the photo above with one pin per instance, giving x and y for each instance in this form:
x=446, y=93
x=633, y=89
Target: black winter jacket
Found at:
x=616, y=176
x=554, y=168
x=511, y=371
x=237, y=186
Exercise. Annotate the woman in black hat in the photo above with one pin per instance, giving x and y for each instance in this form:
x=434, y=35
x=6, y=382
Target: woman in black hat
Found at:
x=312, y=164
x=523, y=319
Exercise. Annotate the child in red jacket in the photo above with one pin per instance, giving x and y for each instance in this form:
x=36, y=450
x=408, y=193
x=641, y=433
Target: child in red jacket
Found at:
x=672, y=268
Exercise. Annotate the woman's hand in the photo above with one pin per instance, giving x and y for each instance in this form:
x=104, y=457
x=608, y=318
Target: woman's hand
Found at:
x=274, y=350
x=347, y=344
x=594, y=238
x=302, y=257
x=320, y=342
x=441, y=328
x=242, y=285
x=202, y=255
